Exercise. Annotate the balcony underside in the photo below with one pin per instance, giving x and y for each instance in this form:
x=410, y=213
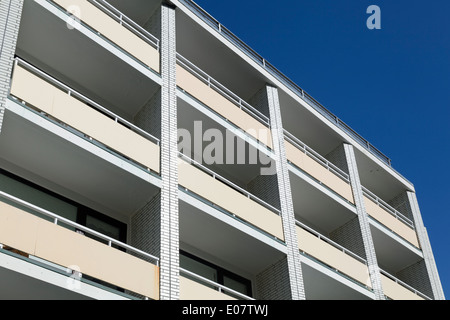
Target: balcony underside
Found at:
x=138, y=10
x=316, y=208
x=249, y=157
x=393, y=252
x=15, y=285
x=49, y=155
x=323, y=284
x=213, y=233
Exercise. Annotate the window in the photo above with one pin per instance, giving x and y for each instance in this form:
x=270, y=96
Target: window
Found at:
x=45, y=199
x=215, y=273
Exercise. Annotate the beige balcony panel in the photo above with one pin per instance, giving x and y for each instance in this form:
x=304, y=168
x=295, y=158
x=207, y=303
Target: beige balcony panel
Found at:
x=220, y=104
x=229, y=199
x=191, y=290
x=112, y=30
x=396, y=291
x=43, y=239
x=333, y=257
x=35, y=91
x=318, y=171
x=18, y=229
x=390, y=221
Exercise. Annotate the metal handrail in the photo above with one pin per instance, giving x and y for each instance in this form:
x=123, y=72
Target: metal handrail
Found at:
x=331, y=242
x=58, y=219
x=220, y=287
x=86, y=100
x=229, y=183
x=221, y=89
x=407, y=286
x=127, y=22
x=316, y=156
x=382, y=204
x=206, y=17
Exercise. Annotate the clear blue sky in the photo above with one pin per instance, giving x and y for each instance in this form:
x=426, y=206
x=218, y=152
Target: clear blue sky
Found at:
x=391, y=85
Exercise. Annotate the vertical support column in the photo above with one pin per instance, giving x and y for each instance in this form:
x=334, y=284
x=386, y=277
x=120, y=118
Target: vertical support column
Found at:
x=287, y=206
x=169, y=263
x=424, y=241
x=374, y=271
x=10, y=16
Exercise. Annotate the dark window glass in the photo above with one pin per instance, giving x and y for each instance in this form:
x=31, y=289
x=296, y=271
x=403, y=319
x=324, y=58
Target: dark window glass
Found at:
x=215, y=273
x=54, y=203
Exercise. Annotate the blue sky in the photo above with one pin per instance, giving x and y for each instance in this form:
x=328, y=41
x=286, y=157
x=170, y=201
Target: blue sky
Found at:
x=391, y=85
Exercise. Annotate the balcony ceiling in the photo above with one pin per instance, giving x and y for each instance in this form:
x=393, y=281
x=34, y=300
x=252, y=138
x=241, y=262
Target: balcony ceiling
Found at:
x=215, y=238
x=240, y=174
x=17, y=286
x=377, y=179
x=137, y=10
x=317, y=209
x=320, y=286
x=392, y=254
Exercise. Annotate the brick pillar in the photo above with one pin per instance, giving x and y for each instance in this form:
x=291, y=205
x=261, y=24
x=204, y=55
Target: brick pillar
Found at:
x=169, y=263
x=424, y=241
x=363, y=217
x=267, y=101
x=10, y=16
x=274, y=282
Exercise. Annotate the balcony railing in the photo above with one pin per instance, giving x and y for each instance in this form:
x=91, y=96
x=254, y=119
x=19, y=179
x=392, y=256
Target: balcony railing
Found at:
x=390, y=218
x=223, y=194
x=128, y=23
x=104, y=19
x=382, y=204
x=227, y=34
x=330, y=242
x=316, y=156
x=406, y=286
x=211, y=284
x=333, y=255
x=229, y=183
x=317, y=167
x=102, y=111
x=29, y=238
x=225, y=92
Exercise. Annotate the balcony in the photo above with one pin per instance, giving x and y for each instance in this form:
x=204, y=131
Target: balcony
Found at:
x=31, y=231
x=319, y=168
x=222, y=101
x=108, y=22
x=389, y=217
x=395, y=289
x=334, y=256
x=229, y=197
x=58, y=102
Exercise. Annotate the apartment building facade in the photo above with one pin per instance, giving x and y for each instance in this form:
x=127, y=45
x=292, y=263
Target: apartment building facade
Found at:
x=147, y=153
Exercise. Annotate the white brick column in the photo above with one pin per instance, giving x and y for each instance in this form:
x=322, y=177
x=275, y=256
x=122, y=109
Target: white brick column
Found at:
x=169, y=263
x=287, y=206
x=424, y=241
x=10, y=15
x=363, y=217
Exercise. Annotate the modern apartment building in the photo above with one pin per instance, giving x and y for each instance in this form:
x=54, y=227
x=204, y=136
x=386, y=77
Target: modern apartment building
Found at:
x=147, y=153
